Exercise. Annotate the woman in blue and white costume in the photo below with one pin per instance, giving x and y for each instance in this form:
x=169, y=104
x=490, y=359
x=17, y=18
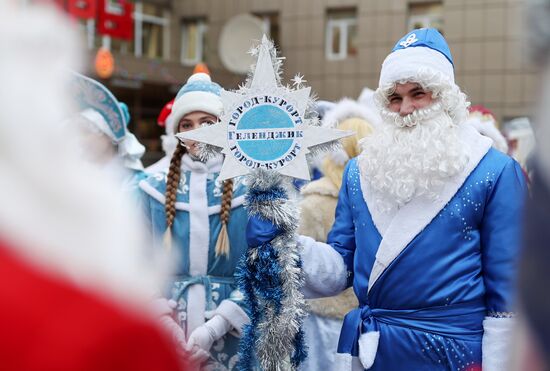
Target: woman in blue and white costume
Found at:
x=103, y=124
x=202, y=221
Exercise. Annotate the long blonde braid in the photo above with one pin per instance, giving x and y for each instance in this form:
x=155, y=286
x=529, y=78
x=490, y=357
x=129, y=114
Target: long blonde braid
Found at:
x=172, y=183
x=222, y=244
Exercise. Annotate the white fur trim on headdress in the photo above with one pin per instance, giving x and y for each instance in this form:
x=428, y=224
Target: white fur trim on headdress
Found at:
x=349, y=108
x=196, y=101
x=98, y=121
x=130, y=149
x=405, y=64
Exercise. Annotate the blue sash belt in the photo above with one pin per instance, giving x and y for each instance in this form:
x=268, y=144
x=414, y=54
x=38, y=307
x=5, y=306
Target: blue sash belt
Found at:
x=460, y=321
x=182, y=284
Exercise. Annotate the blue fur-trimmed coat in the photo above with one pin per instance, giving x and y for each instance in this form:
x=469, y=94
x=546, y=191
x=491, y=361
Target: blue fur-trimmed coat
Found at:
x=434, y=279
x=202, y=281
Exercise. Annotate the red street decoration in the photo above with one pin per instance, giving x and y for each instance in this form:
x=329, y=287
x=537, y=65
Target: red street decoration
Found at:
x=83, y=9
x=115, y=19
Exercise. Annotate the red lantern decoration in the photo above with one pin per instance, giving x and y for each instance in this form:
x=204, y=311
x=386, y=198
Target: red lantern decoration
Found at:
x=104, y=63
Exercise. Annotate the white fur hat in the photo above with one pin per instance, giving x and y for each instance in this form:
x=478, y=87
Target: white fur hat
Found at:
x=198, y=94
x=420, y=49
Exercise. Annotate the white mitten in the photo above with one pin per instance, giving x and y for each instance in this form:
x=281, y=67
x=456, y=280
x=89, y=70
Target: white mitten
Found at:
x=204, y=336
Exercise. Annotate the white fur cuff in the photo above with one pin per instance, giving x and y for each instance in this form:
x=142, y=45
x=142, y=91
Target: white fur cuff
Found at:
x=497, y=336
x=368, y=345
x=233, y=313
x=325, y=271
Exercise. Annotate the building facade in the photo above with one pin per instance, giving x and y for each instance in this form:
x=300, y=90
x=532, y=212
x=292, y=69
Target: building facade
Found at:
x=338, y=45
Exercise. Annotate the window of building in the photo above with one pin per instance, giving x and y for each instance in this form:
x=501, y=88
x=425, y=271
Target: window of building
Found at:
x=193, y=41
x=341, y=34
x=151, y=31
x=425, y=14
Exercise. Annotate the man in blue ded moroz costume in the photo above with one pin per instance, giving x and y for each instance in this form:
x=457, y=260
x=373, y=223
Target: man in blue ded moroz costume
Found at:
x=426, y=228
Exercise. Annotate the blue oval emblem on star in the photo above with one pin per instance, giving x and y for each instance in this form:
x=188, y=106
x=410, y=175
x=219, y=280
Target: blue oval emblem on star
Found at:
x=263, y=132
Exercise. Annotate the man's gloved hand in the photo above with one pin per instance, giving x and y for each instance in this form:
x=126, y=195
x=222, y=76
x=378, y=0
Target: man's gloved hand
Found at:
x=260, y=231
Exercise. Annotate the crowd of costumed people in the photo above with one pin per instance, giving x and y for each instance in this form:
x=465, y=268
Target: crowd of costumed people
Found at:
x=414, y=249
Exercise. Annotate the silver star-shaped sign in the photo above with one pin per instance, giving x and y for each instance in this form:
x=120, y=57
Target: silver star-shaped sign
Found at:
x=263, y=126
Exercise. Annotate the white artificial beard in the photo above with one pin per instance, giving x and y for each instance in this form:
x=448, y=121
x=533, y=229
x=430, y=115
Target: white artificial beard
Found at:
x=411, y=156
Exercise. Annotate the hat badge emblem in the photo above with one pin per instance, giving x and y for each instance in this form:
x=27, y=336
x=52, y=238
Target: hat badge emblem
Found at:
x=411, y=39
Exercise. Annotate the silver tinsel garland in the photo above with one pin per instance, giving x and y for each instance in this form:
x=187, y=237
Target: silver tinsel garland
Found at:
x=277, y=332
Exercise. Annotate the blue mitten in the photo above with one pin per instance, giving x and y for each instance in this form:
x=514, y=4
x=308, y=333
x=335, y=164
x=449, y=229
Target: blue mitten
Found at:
x=260, y=231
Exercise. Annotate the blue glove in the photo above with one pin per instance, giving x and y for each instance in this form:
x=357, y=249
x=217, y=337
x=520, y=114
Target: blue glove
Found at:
x=260, y=231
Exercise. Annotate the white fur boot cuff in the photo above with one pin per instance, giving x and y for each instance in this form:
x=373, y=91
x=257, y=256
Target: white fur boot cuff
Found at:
x=368, y=345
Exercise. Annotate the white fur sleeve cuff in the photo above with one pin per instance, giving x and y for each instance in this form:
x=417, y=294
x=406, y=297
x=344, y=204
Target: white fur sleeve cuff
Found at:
x=497, y=337
x=233, y=313
x=324, y=269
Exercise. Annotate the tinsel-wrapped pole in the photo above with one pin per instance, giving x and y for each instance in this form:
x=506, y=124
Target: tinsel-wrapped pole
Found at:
x=270, y=277
x=266, y=131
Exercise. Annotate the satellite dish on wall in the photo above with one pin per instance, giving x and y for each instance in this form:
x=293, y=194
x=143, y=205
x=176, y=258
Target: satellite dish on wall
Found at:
x=238, y=35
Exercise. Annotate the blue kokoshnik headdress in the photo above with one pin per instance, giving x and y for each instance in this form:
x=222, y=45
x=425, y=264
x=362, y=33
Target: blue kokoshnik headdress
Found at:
x=97, y=104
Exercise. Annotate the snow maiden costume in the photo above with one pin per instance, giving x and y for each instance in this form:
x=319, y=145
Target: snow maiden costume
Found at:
x=203, y=223
x=104, y=125
x=426, y=231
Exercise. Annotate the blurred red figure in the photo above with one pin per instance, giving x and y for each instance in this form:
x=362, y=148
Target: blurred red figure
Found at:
x=50, y=324
x=76, y=277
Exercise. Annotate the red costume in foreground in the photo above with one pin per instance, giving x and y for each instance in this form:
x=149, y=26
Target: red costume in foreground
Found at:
x=49, y=324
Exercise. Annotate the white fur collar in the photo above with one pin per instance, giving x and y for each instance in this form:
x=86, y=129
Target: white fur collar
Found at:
x=399, y=228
